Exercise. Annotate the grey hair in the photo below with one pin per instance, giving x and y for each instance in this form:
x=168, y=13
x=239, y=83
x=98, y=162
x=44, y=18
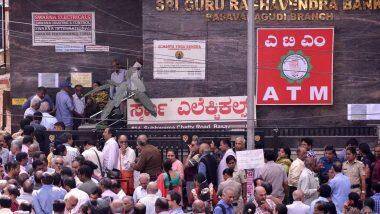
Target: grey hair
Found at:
x=44, y=107
x=145, y=175
x=35, y=100
x=242, y=139
x=17, y=143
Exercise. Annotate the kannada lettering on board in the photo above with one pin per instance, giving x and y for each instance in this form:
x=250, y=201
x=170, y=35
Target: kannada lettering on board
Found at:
x=52, y=28
x=190, y=113
x=295, y=66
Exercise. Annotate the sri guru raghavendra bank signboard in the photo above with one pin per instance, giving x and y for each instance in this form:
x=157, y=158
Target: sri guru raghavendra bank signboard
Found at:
x=295, y=66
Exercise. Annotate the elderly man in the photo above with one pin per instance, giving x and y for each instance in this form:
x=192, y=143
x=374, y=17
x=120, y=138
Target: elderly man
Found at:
x=308, y=182
x=298, y=207
x=295, y=170
x=48, y=120
x=150, y=199
x=340, y=186
x=110, y=149
x=229, y=182
x=128, y=204
x=199, y=207
x=224, y=206
x=140, y=191
x=117, y=206
x=65, y=106
x=240, y=144
x=150, y=159
x=70, y=203
x=263, y=205
x=34, y=106
x=127, y=154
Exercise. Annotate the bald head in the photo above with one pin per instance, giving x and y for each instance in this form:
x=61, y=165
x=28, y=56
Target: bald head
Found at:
x=117, y=206
x=152, y=188
x=298, y=195
x=71, y=202
x=142, y=140
x=204, y=148
x=27, y=186
x=123, y=138
x=128, y=203
x=260, y=194
x=199, y=206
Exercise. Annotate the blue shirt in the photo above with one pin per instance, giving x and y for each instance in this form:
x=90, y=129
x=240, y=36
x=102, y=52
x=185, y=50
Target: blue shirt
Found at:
x=65, y=106
x=219, y=210
x=340, y=188
x=312, y=205
x=326, y=164
x=43, y=198
x=376, y=198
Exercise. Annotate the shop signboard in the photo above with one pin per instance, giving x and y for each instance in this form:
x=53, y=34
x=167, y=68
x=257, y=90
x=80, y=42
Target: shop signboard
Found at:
x=190, y=113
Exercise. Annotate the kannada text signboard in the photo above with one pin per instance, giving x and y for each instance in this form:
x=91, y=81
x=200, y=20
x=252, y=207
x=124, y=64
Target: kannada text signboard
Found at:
x=295, y=66
x=190, y=113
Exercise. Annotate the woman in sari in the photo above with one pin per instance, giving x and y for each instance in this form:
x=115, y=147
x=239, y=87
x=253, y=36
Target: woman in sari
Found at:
x=169, y=180
x=284, y=158
x=176, y=164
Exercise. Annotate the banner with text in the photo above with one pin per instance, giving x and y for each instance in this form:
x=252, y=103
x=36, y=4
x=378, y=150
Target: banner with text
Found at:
x=190, y=113
x=295, y=66
x=179, y=59
x=52, y=28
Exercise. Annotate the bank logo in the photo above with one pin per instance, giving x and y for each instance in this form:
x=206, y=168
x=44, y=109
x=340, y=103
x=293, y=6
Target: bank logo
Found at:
x=295, y=67
x=179, y=54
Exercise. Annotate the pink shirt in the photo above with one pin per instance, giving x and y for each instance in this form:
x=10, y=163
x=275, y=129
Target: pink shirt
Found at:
x=178, y=166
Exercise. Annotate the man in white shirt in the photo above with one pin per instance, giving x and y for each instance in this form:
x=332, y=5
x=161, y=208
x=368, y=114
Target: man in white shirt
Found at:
x=308, y=182
x=118, y=76
x=92, y=154
x=79, y=105
x=141, y=191
x=110, y=149
x=298, y=207
x=34, y=106
x=150, y=199
x=225, y=147
x=69, y=185
x=72, y=152
x=127, y=154
x=48, y=120
x=295, y=170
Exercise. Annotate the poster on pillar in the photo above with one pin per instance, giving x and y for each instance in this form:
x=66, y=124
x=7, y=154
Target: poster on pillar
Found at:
x=295, y=66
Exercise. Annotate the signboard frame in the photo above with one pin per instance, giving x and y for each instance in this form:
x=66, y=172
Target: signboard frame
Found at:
x=331, y=76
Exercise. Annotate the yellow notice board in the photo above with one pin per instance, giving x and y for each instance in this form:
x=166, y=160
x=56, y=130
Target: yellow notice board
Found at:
x=84, y=79
x=18, y=101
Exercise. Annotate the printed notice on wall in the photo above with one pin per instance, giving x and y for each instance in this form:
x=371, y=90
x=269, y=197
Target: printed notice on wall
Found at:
x=250, y=159
x=363, y=112
x=51, y=28
x=48, y=80
x=177, y=59
x=84, y=79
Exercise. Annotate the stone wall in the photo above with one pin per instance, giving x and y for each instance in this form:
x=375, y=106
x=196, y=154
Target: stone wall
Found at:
x=356, y=65
x=111, y=23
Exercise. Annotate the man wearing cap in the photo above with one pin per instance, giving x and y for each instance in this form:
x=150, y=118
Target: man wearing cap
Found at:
x=65, y=106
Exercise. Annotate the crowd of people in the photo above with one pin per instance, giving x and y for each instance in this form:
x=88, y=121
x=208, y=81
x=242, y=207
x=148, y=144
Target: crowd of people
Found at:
x=63, y=177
